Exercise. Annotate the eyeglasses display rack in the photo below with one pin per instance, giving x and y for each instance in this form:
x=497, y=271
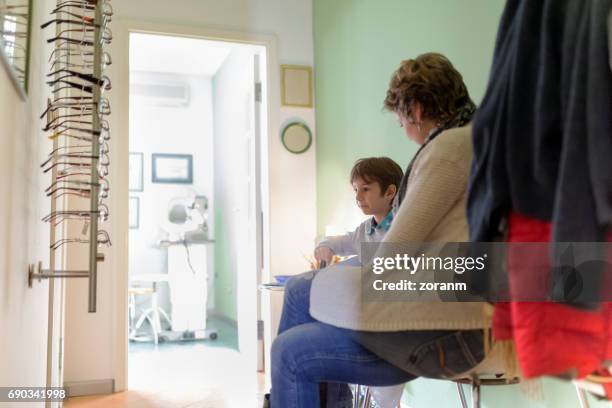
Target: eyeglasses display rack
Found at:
x=76, y=120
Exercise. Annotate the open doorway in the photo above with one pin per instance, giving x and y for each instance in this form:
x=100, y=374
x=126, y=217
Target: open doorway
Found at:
x=197, y=111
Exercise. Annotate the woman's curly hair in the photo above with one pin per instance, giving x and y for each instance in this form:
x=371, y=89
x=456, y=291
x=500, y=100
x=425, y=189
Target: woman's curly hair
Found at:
x=430, y=80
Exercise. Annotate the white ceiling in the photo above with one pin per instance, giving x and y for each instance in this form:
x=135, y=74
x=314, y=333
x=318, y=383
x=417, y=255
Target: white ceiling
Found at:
x=176, y=55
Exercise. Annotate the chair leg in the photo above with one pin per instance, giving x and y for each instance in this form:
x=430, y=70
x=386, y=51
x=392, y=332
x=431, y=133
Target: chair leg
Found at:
x=582, y=397
x=163, y=314
x=475, y=394
x=156, y=314
x=132, y=311
x=461, y=392
x=153, y=331
x=367, y=398
x=141, y=319
x=144, y=316
x=356, y=393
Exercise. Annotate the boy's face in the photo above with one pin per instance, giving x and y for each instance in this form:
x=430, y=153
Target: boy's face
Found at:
x=370, y=199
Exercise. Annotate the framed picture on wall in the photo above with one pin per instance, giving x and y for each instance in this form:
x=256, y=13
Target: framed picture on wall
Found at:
x=296, y=86
x=134, y=213
x=172, y=168
x=136, y=174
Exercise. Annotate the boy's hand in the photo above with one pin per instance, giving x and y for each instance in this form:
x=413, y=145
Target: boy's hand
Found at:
x=324, y=254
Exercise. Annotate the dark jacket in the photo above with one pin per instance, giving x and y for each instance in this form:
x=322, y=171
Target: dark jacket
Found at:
x=543, y=133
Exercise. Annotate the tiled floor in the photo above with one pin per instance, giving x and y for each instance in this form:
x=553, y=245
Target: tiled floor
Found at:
x=205, y=374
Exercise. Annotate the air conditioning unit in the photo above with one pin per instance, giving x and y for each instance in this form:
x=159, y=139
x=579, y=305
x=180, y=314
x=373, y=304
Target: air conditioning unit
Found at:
x=158, y=94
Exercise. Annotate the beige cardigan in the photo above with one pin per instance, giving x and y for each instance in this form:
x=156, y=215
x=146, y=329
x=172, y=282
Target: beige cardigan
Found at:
x=433, y=210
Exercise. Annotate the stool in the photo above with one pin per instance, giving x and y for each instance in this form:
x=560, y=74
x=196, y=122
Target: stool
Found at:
x=489, y=371
x=582, y=396
x=357, y=396
x=364, y=402
x=154, y=313
x=132, y=293
x=476, y=381
x=592, y=384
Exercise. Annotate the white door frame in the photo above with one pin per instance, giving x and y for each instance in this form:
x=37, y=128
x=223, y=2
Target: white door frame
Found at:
x=119, y=99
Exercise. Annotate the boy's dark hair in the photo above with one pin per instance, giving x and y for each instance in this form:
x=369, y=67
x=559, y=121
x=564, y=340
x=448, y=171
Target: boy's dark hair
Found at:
x=381, y=170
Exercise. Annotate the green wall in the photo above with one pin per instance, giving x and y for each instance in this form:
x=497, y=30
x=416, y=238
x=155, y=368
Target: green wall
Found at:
x=358, y=44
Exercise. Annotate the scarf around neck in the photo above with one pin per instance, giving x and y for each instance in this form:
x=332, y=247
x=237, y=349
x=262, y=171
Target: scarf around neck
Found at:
x=462, y=118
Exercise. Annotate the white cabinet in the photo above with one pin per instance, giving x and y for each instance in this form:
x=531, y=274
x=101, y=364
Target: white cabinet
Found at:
x=189, y=281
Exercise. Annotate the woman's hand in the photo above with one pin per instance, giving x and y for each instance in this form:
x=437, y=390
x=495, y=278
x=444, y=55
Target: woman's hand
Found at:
x=324, y=254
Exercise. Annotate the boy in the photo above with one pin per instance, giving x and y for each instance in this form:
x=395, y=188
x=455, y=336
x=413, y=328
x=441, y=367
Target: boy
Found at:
x=375, y=181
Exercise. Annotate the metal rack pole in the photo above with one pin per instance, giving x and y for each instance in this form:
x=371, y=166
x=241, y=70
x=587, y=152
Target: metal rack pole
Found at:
x=95, y=151
x=93, y=220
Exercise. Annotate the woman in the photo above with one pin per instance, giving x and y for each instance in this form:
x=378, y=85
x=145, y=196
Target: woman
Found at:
x=327, y=333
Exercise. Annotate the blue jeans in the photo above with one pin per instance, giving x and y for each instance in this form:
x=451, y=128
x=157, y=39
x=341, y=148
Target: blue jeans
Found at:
x=308, y=352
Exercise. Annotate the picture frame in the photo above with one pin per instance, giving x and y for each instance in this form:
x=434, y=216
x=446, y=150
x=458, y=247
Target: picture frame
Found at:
x=136, y=172
x=172, y=168
x=134, y=213
x=296, y=86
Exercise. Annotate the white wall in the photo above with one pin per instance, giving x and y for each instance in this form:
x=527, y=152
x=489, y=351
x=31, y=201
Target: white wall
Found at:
x=24, y=239
x=291, y=178
x=174, y=130
x=289, y=20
